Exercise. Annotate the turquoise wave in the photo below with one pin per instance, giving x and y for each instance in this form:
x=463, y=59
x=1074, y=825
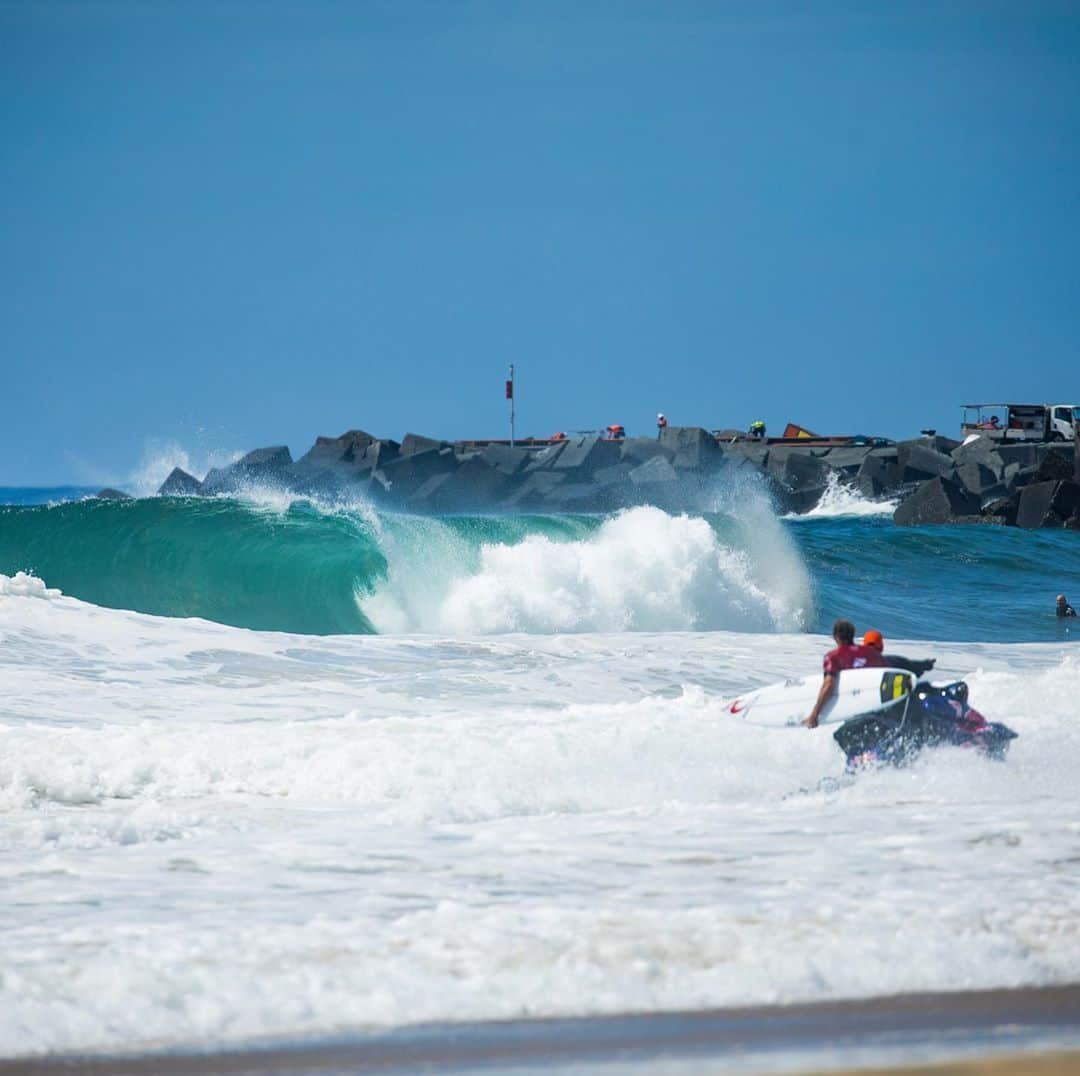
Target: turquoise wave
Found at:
x=301, y=569
x=317, y=571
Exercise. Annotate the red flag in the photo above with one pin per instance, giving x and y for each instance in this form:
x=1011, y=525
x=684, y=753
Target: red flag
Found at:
x=509, y=390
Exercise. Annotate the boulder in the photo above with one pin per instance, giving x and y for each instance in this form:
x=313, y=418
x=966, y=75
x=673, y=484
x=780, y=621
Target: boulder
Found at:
x=1022, y=454
x=332, y=451
x=506, y=460
x=475, y=484
x=980, y=480
x=693, y=449
x=272, y=465
x=1048, y=504
x=937, y=501
x=110, y=494
x=586, y=455
x=847, y=459
x=638, y=450
x=403, y=476
x=1055, y=464
x=535, y=490
x=1003, y=510
x=879, y=473
x=545, y=459
x=413, y=443
x=980, y=451
x=919, y=460
x=180, y=484
x=657, y=469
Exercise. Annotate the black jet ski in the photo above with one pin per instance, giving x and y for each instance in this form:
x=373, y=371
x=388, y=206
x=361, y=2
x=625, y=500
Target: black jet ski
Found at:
x=928, y=716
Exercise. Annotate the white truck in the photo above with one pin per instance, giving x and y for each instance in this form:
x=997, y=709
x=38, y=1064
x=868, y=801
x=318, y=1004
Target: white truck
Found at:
x=1021, y=422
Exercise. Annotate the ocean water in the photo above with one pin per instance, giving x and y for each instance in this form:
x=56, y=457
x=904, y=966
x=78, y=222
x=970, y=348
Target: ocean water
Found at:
x=274, y=769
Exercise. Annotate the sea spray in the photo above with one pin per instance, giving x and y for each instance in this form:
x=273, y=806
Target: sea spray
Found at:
x=641, y=570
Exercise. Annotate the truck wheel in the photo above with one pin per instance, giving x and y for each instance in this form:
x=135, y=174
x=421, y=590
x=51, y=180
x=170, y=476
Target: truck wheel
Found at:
x=1057, y=435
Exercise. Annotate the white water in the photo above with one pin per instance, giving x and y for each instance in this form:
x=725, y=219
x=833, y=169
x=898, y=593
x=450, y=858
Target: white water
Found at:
x=211, y=835
x=642, y=570
x=840, y=500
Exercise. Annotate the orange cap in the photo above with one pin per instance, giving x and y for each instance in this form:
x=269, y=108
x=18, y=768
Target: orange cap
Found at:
x=873, y=638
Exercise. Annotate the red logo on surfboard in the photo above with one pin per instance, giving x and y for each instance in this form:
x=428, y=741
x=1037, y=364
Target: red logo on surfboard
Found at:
x=736, y=707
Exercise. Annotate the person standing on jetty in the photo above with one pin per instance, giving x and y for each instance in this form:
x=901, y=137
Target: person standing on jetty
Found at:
x=661, y=425
x=1063, y=606
x=847, y=655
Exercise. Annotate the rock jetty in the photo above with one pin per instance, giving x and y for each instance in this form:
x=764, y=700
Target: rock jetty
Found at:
x=938, y=480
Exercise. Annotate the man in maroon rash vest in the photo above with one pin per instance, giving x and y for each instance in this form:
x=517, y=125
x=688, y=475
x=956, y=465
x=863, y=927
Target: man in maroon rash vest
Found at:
x=847, y=655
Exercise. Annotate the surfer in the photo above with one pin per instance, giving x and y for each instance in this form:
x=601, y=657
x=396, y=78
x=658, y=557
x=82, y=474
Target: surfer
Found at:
x=847, y=655
x=1063, y=606
x=895, y=661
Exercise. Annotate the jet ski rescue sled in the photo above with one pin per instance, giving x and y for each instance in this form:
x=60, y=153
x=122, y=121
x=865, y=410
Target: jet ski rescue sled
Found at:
x=927, y=717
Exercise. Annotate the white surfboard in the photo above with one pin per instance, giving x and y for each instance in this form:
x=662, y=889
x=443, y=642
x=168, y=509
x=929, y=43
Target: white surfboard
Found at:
x=858, y=691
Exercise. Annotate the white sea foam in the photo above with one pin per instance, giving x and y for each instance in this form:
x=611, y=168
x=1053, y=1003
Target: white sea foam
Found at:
x=841, y=500
x=209, y=834
x=641, y=570
x=23, y=585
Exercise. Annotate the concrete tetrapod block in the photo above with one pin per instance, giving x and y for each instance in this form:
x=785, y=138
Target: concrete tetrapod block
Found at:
x=347, y=448
x=918, y=461
x=694, y=449
x=406, y=474
x=847, y=459
x=937, y=501
x=506, y=460
x=272, y=464
x=588, y=454
x=982, y=452
x=638, y=450
x=1055, y=463
x=1022, y=454
x=1048, y=504
x=413, y=443
x=658, y=469
x=180, y=484
x=879, y=473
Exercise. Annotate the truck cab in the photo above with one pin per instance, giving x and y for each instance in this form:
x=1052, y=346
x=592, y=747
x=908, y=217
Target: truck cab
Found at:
x=1021, y=422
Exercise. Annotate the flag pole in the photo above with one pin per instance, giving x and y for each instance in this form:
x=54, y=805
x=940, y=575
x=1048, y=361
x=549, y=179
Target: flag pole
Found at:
x=510, y=397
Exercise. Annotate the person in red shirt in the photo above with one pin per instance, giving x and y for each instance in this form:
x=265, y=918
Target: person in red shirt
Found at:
x=847, y=655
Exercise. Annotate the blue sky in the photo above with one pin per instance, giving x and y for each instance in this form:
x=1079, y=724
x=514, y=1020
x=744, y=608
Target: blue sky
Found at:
x=237, y=224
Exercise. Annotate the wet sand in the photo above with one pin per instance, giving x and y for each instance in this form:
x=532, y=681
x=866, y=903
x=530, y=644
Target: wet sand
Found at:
x=1031, y=1031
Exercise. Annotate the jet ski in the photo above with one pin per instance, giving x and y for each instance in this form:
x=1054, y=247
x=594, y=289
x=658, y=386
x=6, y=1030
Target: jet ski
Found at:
x=927, y=717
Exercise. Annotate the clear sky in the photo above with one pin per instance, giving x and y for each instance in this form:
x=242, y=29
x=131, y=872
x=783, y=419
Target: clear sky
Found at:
x=237, y=224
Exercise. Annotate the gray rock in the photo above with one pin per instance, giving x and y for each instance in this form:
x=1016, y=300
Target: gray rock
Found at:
x=402, y=477
x=1022, y=454
x=937, y=501
x=879, y=473
x=1048, y=504
x=110, y=494
x=271, y=465
x=506, y=460
x=918, y=461
x=332, y=451
x=693, y=448
x=658, y=469
x=1055, y=464
x=847, y=459
x=638, y=450
x=413, y=443
x=180, y=484
x=546, y=458
x=586, y=455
